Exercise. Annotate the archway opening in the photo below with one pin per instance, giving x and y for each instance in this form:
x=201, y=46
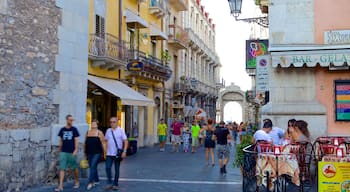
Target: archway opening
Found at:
x=233, y=112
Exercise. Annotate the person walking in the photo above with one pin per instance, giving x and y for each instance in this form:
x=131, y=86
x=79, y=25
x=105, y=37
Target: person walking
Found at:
x=94, y=148
x=195, y=133
x=234, y=132
x=222, y=135
x=68, y=147
x=117, y=145
x=176, y=130
x=186, y=135
x=162, y=129
x=209, y=144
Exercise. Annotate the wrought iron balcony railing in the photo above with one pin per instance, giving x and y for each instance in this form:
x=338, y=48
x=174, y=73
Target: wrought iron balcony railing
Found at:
x=152, y=65
x=107, y=49
x=177, y=37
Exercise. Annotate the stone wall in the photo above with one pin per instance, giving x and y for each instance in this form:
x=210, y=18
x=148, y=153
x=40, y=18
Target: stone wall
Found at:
x=43, y=77
x=28, y=45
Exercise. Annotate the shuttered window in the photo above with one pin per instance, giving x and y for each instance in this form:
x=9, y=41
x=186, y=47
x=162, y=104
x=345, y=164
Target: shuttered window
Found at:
x=100, y=25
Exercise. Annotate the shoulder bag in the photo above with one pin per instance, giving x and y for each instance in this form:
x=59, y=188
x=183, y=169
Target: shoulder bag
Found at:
x=119, y=151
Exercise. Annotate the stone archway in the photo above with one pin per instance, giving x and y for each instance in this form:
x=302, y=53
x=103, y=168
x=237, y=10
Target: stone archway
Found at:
x=232, y=93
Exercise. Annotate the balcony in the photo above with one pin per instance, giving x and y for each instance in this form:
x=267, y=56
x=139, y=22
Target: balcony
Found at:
x=179, y=89
x=179, y=5
x=153, y=68
x=197, y=44
x=107, y=51
x=158, y=8
x=178, y=38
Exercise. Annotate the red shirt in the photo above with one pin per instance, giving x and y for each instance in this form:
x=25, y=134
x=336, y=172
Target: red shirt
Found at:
x=176, y=128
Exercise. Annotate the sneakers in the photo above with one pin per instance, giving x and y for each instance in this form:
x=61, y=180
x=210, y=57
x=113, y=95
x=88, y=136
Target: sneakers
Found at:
x=223, y=170
x=89, y=186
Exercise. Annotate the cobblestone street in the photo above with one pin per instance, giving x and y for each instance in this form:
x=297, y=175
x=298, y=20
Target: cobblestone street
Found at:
x=153, y=171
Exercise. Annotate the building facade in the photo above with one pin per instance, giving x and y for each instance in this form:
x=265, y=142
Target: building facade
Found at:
x=309, y=74
x=43, y=76
x=126, y=48
x=197, y=76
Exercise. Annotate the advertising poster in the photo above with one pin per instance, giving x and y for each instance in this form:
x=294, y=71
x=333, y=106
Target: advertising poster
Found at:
x=342, y=100
x=255, y=48
x=333, y=176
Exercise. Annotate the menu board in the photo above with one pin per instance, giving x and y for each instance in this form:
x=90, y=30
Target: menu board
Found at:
x=333, y=176
x=342, y=100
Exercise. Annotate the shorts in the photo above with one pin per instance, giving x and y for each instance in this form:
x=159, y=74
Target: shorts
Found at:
x=195, y=141
x=68, y=160
x=162, y=138
x=234, y=135
x=223, y=151
x=176, y=139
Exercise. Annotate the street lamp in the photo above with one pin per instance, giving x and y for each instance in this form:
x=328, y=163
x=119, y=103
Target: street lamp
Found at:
x=236, y=7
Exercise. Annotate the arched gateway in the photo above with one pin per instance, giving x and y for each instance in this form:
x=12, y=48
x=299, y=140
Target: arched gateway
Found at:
x=228, y=94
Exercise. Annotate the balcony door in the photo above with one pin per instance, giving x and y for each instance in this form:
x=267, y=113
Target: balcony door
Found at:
x=100, y=34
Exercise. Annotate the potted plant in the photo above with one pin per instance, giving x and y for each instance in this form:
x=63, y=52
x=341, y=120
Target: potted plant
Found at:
x=166, y=57
x=246, y=141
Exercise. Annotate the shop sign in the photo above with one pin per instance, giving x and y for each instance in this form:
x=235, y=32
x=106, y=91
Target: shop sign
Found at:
x=337, y=37
x=135, y=66
x=333, y=176
x=262, y=74
x=255, y=48
x=322, y=59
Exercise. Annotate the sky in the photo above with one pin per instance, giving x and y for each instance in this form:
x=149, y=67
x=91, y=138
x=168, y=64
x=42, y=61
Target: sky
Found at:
x=230, y=46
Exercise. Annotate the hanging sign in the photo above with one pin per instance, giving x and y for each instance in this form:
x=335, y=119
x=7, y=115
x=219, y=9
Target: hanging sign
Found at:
x=135, y=66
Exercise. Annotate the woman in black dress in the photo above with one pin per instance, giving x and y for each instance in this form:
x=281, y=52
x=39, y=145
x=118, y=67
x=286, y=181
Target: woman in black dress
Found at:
x=209, y=143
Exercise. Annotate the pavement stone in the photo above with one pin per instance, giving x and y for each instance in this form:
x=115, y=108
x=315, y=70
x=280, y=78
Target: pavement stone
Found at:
x=153, y=171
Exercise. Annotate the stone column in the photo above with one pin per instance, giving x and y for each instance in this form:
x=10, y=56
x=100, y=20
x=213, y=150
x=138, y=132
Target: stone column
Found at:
x=141, y=124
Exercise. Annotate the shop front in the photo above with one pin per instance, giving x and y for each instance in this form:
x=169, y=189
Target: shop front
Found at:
x=109, y=97
x=311, y=84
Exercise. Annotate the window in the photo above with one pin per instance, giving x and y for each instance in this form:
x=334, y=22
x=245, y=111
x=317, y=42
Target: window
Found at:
x=342, y=100
x=154, y=48
x=99, y=25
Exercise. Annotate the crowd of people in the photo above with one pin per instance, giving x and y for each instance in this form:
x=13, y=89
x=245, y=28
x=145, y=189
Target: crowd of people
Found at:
x=185, y=137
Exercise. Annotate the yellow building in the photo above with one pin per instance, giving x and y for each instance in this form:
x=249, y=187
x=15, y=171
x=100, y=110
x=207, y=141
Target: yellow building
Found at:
x=127, y=65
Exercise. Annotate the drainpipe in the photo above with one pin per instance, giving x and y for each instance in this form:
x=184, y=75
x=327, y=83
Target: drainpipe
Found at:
x=163, y=83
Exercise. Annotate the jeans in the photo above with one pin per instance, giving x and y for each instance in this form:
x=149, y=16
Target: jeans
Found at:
x=109, y=162
x=93, y=162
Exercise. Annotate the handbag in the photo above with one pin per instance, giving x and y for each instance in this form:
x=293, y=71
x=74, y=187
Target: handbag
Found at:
x=119, y=151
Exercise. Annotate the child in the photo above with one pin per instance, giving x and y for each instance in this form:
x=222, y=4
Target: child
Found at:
x=186, y=137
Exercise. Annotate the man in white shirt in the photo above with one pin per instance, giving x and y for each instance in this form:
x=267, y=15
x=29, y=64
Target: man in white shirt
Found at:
x=262, y=134
x=276, y=133
x=119, y=140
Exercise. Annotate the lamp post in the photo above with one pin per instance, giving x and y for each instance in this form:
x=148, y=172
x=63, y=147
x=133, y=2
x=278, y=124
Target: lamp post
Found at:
x=236, y=7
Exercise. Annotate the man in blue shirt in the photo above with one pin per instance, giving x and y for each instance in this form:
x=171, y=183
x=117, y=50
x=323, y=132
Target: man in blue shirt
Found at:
x=68, y=148
x=276, y=133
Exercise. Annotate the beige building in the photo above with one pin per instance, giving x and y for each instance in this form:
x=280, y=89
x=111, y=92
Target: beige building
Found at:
x=196, y=66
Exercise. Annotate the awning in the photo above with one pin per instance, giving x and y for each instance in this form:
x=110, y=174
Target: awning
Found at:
x=134, y=20
x=324, y=58
x=156, y=33
x=127, y=95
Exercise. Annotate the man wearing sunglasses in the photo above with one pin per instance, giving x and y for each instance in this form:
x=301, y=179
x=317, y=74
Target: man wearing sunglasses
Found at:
x=115, y=139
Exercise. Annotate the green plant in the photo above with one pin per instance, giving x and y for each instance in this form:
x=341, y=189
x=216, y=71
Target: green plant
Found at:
x=166, y=56
x=257, y=2
x=246, y=141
